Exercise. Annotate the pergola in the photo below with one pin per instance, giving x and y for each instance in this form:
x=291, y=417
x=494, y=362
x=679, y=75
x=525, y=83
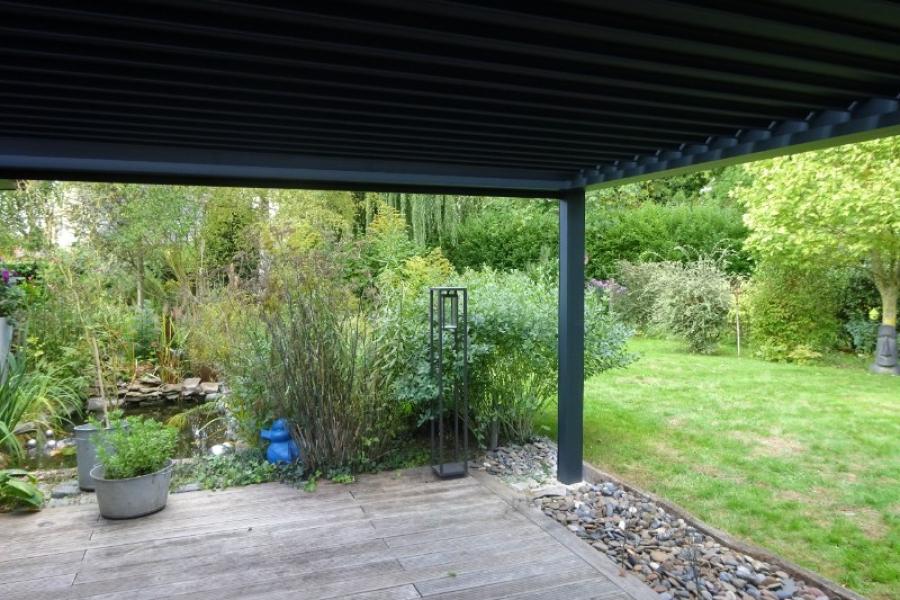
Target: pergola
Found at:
x=480, y=98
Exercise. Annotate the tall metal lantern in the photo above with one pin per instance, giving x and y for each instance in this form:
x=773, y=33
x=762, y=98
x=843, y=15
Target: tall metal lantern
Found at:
x=449, y=356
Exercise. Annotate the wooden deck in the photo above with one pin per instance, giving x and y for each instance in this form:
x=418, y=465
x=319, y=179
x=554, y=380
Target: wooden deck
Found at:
x=392, y=536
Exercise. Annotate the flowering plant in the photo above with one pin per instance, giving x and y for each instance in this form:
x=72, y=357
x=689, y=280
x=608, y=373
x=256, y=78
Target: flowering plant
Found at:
x=11, y=296
x=610, y=287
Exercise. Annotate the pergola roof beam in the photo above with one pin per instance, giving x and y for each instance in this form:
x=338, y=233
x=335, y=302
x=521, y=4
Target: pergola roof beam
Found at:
x=611, y=90
x=59, y=157
x=80, y=99
x=467, y=81
x=189, y=120
x=875, y=117
x=373, y=142
x=584, y=115
x=313, y=147
x=799, y=33
x=663, y=41
x=616, y=68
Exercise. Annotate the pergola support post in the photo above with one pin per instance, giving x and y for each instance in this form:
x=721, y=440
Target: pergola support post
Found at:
x=570, y=404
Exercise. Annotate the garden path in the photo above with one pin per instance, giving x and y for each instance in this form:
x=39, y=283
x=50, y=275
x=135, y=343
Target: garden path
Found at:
x=391, y=536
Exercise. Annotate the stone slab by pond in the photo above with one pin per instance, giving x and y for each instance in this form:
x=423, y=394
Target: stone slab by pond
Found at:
x=65, y=489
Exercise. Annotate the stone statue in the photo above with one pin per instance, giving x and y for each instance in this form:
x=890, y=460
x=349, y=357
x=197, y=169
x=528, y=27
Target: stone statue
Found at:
x=886, y=351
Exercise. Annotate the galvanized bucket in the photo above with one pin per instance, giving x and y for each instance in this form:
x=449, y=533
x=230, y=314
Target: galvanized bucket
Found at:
x=86, y=454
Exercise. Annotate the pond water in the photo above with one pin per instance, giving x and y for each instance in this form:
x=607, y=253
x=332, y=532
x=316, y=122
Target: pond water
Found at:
x=58, y=452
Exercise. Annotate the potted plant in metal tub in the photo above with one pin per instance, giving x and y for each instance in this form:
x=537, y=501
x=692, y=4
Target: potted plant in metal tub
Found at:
x=135, y=468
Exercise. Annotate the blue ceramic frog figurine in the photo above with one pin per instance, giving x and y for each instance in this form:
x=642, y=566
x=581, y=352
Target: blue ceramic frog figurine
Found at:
x=282, y=448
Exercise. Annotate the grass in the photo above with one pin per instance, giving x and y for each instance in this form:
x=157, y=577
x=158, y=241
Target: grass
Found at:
x=802, y=460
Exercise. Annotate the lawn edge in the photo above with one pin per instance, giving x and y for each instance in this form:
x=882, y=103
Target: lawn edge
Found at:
x=593, y=474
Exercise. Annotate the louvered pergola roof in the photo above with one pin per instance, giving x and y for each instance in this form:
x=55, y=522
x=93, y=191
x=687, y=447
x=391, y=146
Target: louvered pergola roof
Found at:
x=480, y=97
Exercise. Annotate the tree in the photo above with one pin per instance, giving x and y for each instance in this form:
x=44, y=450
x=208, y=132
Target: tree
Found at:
x=31, y=215
x=675, y=189
x=837, y=207
x=229, y=232
x=136, y=223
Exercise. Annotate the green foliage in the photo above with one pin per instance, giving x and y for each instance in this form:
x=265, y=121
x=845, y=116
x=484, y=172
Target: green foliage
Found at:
x=793, y=312
x=860, y=312
x=507, y=236
x=18, y=490
x=693, y=303
x=136, y=223
x=40, y=393
x=652, y=232
x=688, y=300
x=12, y=295
x=83, y=308
x=513, y=351
x=863, y=333
x=835, y=207
x=415, y=274
x=145, y=332
x=135, y=446
x=248, y=367
x=32, y=215
x=387, y=242
x=229, y=232
x=305, y=219
x=244, y=467
x=323, y=376
x=676, y=189
x=639, y=280
x=514, y=235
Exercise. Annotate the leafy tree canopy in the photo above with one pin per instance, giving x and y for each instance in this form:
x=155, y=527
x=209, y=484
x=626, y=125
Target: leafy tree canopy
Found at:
x=839, y=206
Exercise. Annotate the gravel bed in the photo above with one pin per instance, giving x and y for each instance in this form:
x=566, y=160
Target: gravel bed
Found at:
x=668, y=554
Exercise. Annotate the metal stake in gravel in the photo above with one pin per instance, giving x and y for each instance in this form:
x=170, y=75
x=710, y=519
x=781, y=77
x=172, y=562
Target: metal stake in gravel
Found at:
x=448, y=317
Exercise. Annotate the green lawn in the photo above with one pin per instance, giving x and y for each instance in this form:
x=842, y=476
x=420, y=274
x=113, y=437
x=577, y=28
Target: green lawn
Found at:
x=803, y=460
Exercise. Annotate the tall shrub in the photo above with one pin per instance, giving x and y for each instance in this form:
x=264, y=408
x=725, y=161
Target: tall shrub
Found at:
x=689, y=300
x=794, y=311
x=693, y=303
x=324, y=375
x=513, y=347
x=832, y=208
x=505, y=239
x=653, y=232
x=640, y=282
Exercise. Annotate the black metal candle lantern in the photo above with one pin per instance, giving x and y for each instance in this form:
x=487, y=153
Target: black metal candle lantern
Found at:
x=449, y=356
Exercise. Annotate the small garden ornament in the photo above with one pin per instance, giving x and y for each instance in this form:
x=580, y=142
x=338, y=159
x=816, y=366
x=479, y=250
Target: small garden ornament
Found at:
x=282, y=447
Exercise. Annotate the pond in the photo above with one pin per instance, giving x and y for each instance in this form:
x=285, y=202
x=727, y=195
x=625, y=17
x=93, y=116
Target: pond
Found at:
x=58, y=451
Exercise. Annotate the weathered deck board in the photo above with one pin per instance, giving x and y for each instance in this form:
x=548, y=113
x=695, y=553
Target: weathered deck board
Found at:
x=394, y=536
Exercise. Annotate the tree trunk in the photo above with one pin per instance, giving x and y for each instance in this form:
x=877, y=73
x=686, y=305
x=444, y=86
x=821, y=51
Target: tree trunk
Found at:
x=95, y=352
x=140, y=282
x=888, y=304
x=360, y=220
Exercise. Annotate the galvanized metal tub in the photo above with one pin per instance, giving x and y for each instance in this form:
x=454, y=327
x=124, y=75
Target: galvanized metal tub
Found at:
x=133, y=497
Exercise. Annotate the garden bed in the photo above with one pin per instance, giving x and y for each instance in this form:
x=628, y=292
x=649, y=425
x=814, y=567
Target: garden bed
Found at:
x=674, y=553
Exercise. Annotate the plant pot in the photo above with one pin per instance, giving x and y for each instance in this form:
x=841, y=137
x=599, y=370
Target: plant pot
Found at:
x=86, y=455
x=133, y=497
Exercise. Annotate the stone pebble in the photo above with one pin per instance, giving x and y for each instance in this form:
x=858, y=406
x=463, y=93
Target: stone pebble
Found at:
x=667, y=553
